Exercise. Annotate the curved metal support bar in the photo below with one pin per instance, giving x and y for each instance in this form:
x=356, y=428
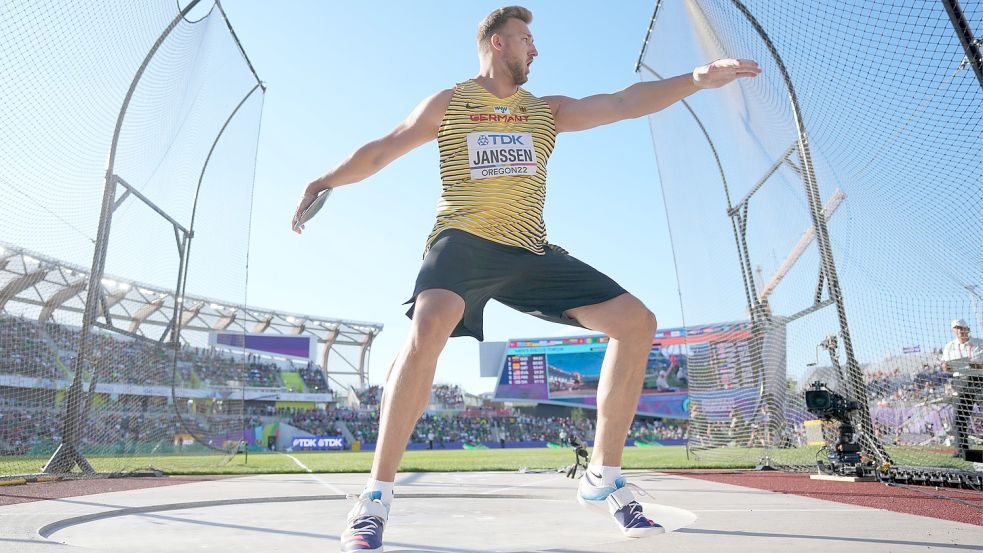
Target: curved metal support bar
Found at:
x=182, y=279
x=20, y=284
x=235, y=37
x=58, y=298
x=186, y=248
x=66, y=457
x=109, y=192
x=363, y=354
x=971, y=44
x=746, y=273
x=648, y=35
x=328, y=344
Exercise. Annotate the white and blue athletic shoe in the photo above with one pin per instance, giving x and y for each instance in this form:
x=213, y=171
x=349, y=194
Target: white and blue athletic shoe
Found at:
x=619, y=502
x=366, y=521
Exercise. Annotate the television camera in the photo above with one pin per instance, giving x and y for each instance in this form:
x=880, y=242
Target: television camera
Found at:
x=844, y=453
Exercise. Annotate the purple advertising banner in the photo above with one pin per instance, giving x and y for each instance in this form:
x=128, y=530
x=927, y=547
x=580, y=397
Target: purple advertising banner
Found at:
x=300, y=347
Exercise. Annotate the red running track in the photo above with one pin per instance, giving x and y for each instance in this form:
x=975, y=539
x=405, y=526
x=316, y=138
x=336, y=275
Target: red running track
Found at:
x=959, y=505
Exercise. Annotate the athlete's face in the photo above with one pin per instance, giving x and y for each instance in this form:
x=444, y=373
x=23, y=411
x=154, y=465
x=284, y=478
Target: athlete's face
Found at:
x=518, y=49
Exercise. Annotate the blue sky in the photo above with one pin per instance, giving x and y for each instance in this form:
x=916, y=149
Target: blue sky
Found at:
x=340, y=74
x=897, y=152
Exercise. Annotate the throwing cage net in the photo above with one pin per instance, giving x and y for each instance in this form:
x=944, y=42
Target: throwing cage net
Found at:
x=127, y=151
x=834, y=202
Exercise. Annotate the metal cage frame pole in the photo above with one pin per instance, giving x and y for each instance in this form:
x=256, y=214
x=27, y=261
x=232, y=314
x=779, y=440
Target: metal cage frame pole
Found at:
x=856, y=383
x=362, y=360
x=648, y=35
x=970, y=43
x=67, y=455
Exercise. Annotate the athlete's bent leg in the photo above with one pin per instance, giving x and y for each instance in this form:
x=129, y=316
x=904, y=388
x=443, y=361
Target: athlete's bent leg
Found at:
x=408, y=384
x=404, y=398
x=631, y=327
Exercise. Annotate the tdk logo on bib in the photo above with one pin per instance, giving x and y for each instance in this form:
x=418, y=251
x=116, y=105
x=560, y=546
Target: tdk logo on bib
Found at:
x=500, y=154
x=500, y=139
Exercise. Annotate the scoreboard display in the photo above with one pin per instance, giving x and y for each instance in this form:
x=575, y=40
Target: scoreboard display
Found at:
x=566, y=370
x=525, y=369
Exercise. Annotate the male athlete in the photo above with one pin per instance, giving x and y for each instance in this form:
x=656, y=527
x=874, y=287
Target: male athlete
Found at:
x=489, y=242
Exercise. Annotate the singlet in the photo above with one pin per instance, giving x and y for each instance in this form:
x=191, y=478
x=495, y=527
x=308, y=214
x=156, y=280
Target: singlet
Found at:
x=493, y=155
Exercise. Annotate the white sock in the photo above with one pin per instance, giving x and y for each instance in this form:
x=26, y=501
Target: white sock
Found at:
x=603, y=476
x=379, y=486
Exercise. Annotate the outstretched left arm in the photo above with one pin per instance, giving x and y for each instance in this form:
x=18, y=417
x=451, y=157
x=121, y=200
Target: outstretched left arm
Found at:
x=571, y=114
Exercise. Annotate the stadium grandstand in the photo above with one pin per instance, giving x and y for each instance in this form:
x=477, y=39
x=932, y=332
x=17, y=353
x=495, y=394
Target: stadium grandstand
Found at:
x=236, y=368
x=215, y=393
x=267, y=399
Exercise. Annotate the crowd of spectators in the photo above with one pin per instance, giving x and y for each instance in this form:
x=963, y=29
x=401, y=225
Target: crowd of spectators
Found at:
x=915, y=408
x=220, y=368
x=23, y=424
x=364, y=425
x=447, y=396
x=474, y=427
x=655, y=429
x=313, y=378
x=320, y=422
x=22, y=428
x=27, y=427
x=908, y=407
x=370, y=396
x=901, y=388
x=48, y=351
x=24, y=351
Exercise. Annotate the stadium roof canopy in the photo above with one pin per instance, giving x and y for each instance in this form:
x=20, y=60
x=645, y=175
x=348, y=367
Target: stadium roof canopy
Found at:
x=37, y=287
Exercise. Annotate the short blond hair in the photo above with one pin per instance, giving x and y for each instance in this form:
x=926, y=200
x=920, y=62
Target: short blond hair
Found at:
x=497, y=19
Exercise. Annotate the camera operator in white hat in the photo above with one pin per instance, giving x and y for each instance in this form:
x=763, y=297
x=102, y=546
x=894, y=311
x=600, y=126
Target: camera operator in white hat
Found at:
x=969, y=388
x=963, y=346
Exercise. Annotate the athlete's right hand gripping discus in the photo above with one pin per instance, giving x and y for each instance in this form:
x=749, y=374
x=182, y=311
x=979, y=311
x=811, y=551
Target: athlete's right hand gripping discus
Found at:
x=311, y=210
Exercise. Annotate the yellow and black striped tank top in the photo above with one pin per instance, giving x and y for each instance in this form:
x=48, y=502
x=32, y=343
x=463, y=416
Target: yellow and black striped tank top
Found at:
x=493, y=155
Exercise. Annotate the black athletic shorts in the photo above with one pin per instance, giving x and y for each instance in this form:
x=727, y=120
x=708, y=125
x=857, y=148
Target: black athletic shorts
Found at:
x=478, y=270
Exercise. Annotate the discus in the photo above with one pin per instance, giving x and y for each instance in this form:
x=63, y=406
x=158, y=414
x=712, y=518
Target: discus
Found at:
x=315, y=206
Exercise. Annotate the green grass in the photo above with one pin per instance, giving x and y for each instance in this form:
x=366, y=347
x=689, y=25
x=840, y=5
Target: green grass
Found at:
x=464, y=460
x=457, y=460
x=669, y=457
x=292, y=379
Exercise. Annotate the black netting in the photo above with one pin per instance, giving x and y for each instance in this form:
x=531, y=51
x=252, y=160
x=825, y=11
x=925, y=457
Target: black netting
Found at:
x=165, y=110
x=884, y=131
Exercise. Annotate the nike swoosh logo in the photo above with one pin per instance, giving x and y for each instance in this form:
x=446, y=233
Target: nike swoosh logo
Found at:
x=469, y=105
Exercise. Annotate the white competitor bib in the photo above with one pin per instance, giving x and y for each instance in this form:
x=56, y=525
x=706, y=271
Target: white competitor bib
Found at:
x=498, y=154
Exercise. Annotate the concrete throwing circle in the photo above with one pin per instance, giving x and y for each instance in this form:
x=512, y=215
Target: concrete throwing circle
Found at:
x=431, y=523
